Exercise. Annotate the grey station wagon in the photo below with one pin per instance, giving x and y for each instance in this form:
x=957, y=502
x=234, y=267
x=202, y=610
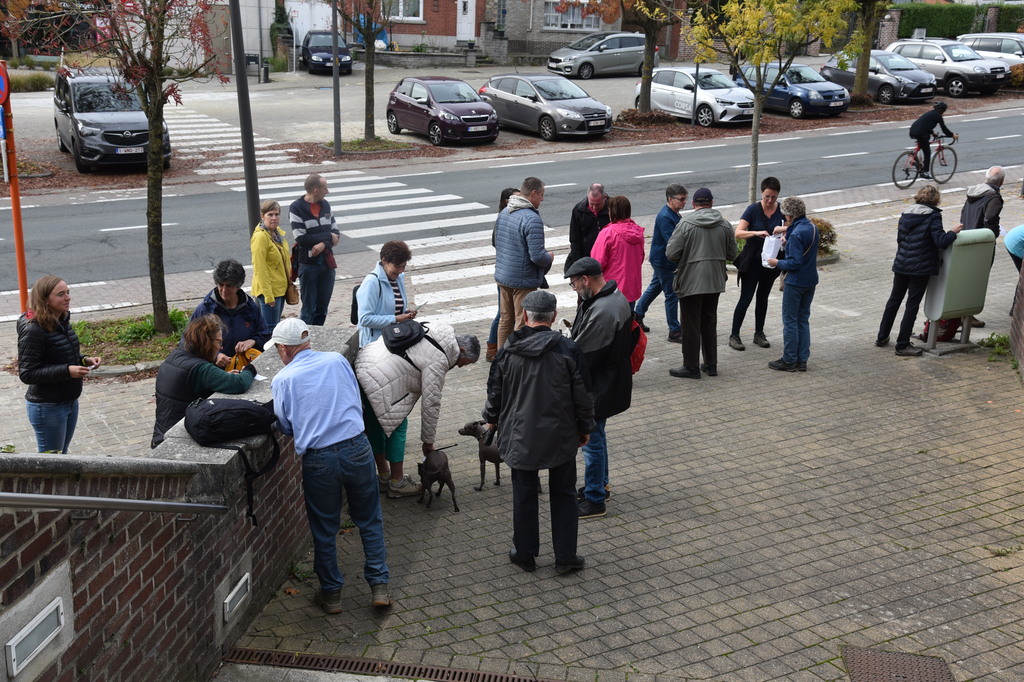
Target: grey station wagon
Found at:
x=601, y=53
x=550, y=105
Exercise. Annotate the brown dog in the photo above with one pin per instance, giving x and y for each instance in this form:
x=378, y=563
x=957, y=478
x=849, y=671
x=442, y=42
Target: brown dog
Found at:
x=434, y=469
x=488, y=453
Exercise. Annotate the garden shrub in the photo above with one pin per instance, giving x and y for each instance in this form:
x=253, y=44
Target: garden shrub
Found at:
x=33, y=82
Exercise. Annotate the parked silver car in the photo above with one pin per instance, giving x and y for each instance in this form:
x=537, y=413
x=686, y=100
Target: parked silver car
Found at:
x=891, y=77
x=601, y=53
x=550, y=105
x=955, y=66
x=718, y=98
x=1007, y=47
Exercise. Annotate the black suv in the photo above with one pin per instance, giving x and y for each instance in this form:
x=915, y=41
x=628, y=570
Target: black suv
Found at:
x=99, y=121
x=317, y=49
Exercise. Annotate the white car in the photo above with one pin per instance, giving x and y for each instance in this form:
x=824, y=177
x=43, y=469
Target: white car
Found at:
x=718, y=98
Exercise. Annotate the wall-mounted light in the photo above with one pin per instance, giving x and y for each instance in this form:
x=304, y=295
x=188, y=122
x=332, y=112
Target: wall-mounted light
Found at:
x=28, y=643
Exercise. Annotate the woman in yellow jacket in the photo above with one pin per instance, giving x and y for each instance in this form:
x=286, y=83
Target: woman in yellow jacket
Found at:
x=271, y=263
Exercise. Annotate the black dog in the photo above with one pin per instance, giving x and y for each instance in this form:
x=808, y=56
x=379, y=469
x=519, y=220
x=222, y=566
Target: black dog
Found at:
x=434, y=469
x=488, y=452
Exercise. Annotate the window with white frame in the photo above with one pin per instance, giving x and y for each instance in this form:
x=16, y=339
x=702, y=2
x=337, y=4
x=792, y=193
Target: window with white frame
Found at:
x=406, y=9
x=571, y=18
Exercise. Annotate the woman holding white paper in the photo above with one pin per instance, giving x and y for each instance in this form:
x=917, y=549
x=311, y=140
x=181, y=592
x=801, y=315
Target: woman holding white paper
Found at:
x=761, y=219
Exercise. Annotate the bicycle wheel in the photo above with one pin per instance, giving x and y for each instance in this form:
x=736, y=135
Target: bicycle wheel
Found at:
x=944, y=165
x=904, y=171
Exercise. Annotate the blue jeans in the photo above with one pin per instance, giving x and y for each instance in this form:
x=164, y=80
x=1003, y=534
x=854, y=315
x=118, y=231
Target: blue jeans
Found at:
x=796, y=325
x=595, y=460
x=492, y=337
x=328, y=473
x=316, y=284
x=661, y=282
x=272, y=313
x=54, y=424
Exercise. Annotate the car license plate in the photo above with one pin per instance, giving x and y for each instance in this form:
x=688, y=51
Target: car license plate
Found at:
x=130, y=150
x=926, y=90
x=836, y=104
x=477, y=129
x=1000, y=75
x=597, y=122
x=552, y=65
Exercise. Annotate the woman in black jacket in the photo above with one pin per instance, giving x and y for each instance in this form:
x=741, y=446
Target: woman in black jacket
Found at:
x=50, y=363
x=919, y=238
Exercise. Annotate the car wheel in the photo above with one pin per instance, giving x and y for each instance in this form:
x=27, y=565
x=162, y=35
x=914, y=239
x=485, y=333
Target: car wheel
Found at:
x=956, y=87
x=393, y=126
x=886, y=94
x=309, y=67
x=640, y=70
x=586, y=71
x=796, y=108
x=434, y=133
x=167, y=164
x=636, y=102
x=60, y=143
x=705, y=117
x=548, y=130
x=80, y=165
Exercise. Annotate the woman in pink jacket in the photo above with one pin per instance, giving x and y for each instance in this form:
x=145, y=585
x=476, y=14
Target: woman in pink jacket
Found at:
x=620, y=250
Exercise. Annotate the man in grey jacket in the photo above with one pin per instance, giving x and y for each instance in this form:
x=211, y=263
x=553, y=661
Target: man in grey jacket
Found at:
x=701, y=244
x=538, y=401
x=520, y=259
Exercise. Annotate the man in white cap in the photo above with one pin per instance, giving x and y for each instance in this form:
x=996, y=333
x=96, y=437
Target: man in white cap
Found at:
x=316, y=400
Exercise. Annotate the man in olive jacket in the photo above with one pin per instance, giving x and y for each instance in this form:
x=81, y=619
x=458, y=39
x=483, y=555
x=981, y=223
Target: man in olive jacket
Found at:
x=537, y=399
x=701, y=244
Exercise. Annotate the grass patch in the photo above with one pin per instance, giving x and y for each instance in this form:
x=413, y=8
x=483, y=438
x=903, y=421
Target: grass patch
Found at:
x=375, y=145
x=1003, y=551
x=998, y=348
x=127, y=341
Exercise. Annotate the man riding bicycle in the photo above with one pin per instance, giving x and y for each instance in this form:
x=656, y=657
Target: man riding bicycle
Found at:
x=921, y=130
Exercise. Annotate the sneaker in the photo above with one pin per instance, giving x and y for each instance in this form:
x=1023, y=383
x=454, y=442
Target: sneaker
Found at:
x=329, y=600
x=640, y=321
x=382, y=482
x=589, y=510
x=677, y=337
x=801, y=366
x=782, y=366
x=761, y=340
x=736, y=344
x=379, y=595
x=528, y=564
x=925, y=175
x=710, y=370
x=976, y=323
x=911, y=351
x=580, y=496
x=567, y=566
x=882, y=343
x=404, y=488
x=685, y=373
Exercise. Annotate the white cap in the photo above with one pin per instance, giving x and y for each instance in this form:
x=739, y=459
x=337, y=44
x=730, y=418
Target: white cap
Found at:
x=290, y=331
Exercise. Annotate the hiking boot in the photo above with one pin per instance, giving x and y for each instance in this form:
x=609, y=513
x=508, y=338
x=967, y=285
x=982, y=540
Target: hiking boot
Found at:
x=976, y=323
x=329, y=601
x=685, y=372
x=404, y=488
x=710, y=370
x=882, y=343
x=382, y=482
x=580, y=496
x=567, y=566
x=640, y=321
x=527, y=563
x=589, y=510
x=736, y=344
x=782, y=366
x=675, y=337
x=801, y=366
x=910, y=351
x=761, y=340
x=379, y=595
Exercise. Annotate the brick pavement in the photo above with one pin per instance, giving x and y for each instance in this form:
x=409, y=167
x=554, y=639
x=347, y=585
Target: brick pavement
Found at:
x=760, y=520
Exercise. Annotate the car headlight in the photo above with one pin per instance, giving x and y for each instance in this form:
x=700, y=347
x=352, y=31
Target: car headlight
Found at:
x=980, y=69
x=87, y=131
x=814, y=94
x=346, y=58
x=608, y=111
x=493, y=117
x=846, y=93
x=451, y=118
x=569, y=113
x=315, y=58
x=724, y=102
x=905, y=81
x=570, y=59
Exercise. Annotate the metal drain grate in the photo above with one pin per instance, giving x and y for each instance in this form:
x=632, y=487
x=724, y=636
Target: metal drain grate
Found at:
x=874, y=665
x=359, y=666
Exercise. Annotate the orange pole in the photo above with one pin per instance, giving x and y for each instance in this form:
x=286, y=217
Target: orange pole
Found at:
x=19, y=239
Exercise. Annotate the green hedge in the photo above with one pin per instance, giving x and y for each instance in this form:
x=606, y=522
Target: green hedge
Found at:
x=33, y=82
x=941, y=21
x=1011, y=18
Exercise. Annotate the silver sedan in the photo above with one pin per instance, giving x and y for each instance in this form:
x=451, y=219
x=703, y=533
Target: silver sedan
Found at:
x=718, y=99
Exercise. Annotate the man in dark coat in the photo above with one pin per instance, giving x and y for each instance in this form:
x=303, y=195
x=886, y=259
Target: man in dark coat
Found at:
x=587, y=219
x=603, y=330
x=921, y=131
x=982, y=208
x=537, y=399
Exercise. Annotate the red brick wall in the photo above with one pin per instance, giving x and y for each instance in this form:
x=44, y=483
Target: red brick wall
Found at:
x=144, y=582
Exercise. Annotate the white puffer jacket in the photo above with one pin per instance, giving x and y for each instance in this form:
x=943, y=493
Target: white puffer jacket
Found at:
x=393, y=385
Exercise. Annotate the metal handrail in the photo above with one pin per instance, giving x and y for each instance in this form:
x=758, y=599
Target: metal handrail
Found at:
x=25, y=500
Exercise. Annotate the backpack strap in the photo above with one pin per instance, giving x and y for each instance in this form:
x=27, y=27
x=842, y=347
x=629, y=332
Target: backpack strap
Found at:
x=252, y=474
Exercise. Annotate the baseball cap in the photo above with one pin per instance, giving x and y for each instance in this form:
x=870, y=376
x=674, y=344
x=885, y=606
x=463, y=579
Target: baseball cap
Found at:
x=290, y=331
x=703, y=194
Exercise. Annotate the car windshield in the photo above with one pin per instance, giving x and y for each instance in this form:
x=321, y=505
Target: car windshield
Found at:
x=587, y=42
x=449, y=93
x=559, y=88
x=803, y=74
x=324, y=40
x=895, y=62
x=961, y=53
x=92, y=97
x=714, y=81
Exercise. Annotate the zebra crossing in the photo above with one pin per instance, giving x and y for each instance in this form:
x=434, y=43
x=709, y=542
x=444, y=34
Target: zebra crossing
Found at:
x=451, y=274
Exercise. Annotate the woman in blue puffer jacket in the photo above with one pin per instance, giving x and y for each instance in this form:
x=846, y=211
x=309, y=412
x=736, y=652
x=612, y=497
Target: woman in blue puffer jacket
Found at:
x=919, y=238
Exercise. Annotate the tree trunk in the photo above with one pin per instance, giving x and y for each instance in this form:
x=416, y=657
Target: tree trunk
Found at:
x=371, y=57
x=154, y=207
x=868, y=19
x=755, y=136
x=650, y=43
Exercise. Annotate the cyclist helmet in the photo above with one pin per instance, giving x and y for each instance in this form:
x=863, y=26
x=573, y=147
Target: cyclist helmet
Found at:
x=941, y=106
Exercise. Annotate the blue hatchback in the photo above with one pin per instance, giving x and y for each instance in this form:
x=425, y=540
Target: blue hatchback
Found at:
x=800, y=91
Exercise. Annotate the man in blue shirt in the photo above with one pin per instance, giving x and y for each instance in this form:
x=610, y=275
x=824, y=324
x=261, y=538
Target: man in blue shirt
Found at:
x=316, y=400
x=664, y=269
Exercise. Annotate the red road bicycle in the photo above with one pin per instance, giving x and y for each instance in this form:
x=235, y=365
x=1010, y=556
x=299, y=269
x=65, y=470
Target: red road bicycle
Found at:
x=908, y=164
